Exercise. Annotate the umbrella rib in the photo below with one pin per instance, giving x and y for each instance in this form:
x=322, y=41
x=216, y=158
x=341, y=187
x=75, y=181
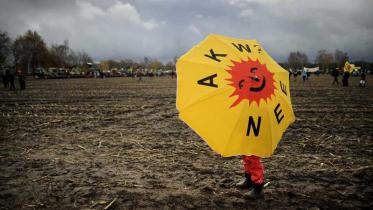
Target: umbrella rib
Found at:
x=275, y=63
x=265, y=54
x=202, y=64
x=234, y=128
x=271, y=129
x=229, y=47
x=285, y=101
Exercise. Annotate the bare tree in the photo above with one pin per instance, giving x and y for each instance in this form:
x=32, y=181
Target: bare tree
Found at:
x=324, y=59
x=170, y=66
x=340, y=58
x=127, y=63
x=155, y=64
x=83, y=58
x=72, y=59
x=17, y=52
x=297, y=60
x=28, y=50
x=59, y=54
x=5, y=48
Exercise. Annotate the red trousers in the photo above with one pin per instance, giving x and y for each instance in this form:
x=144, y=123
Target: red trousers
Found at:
x=253, y=165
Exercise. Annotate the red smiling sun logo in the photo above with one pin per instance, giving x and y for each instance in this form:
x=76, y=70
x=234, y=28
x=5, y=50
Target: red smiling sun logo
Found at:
x=251, y=80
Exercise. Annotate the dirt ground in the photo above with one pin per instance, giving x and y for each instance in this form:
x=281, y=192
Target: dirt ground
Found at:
x=118, y=143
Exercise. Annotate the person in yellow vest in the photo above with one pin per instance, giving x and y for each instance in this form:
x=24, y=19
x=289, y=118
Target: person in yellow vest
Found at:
x=346, y=76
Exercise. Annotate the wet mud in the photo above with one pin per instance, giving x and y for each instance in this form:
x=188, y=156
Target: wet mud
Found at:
x=117, y=143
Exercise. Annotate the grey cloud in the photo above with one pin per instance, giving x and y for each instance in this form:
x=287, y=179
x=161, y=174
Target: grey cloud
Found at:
x=165, y=28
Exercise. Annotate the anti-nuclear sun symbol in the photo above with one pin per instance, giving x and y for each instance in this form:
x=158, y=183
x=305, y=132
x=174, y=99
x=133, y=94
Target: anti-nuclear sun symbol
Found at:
x=252, y=81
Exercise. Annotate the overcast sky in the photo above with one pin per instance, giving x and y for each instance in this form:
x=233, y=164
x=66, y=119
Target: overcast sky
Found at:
x=163, y=29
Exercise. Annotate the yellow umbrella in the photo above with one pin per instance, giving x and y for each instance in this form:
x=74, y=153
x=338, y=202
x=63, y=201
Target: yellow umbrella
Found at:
x=234, y=95
x=350, y=67
x=347, y=67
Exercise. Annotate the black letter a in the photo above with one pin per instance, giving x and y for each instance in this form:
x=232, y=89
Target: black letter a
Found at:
x=210, y=81
x=256, y=128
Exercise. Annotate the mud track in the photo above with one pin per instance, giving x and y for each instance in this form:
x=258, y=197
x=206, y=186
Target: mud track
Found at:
x=92, y=143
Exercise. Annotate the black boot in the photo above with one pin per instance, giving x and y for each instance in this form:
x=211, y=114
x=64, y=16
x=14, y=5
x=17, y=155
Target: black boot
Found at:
x=256, y=192
x=246, y=183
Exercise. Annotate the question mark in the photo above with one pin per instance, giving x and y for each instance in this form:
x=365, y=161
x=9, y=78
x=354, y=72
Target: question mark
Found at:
x=260, y=49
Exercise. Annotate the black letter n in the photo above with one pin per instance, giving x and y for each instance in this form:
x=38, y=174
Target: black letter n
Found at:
x=256, y=128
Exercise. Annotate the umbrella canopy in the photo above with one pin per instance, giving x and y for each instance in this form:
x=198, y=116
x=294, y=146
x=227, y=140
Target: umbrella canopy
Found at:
x=349, y=67
x=234, y=95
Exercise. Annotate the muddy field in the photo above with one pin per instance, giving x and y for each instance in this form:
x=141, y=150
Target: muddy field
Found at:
x=118, y=143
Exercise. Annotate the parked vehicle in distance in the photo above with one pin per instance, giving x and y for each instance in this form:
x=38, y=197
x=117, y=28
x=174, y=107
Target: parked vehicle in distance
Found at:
x=41, y=73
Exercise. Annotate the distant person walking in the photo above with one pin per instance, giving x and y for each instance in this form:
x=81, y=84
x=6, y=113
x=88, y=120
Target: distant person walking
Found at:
x=335, y=74
x=5, y=81
x=346, y=76
x=102, y=75
x=21, y=80
x=10, y=78
x=295, y=75
x=139, y=74
x=130, y=72
x=304, y=74
x=362, y=79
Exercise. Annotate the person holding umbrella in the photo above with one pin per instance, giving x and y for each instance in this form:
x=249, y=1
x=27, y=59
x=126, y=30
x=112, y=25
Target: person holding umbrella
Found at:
x=335, y=74
x=304, y=74
x=237, y=99
x=4, y=78
x=10, y=79
x=21, y=80
x=347, y=69
x=362, y=79
x=254, y=176
x=346, y=76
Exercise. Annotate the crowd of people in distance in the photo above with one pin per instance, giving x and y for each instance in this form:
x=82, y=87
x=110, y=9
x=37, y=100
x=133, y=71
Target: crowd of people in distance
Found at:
x=335, y=73
x=345, y=77
x=305, y=75
x=9, y=80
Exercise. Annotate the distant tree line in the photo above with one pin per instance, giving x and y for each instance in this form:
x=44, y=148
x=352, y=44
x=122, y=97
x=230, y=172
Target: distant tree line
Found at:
x=29, y=51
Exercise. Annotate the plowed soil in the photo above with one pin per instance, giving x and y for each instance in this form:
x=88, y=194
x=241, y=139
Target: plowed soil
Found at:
x=118, y=143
